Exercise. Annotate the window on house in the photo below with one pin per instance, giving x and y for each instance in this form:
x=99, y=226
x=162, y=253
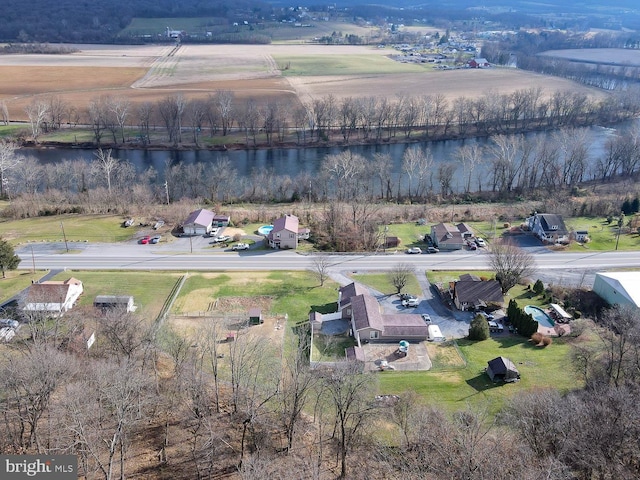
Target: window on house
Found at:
x=374, y=335
x=291, y=235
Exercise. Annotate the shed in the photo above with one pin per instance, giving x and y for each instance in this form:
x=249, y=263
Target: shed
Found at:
x=502, y=369
x=109, y=302
x=255, y=316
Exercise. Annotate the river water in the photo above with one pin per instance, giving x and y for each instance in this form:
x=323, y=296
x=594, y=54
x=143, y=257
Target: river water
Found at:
x=293, y=161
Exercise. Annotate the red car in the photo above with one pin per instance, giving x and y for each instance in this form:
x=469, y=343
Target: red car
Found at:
x=145, y=240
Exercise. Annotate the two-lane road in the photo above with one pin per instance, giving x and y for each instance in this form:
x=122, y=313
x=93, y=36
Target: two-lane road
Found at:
x=132, y=257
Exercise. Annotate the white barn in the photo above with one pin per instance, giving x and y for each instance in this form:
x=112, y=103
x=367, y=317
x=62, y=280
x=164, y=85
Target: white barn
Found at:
x=618, y=288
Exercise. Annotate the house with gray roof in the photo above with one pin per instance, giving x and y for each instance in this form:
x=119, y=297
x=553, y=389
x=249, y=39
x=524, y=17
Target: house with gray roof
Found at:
x=548, y=227
x=472, y=293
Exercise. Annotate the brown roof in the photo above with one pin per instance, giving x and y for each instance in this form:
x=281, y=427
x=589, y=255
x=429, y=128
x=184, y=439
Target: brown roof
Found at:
x=47, y=293
x=349, y=291
x=446, y=233
x=473, y=291
x=404, y=325
x=366, y=313
x=464, y=228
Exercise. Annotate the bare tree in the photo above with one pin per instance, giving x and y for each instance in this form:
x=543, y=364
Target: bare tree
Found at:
x=349, y=395
x=511, y=264
x=107, y=164
x=37, y=112
x=400, y=274
x=4, y=112
x=9, y=160
x=320, y=265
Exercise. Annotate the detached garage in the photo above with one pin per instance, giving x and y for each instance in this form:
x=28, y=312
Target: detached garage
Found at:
x=198, y=222
x=502, y=369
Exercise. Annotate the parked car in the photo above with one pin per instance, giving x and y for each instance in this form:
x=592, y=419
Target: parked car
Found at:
x=414, y=250
x=480, y=242
x=214, y=232
x=495, y=327
x=432, y=250
x=145, y=240
x=7, y=322
x=155, y=239
x=406, y=296
x=221, y=238
x=240, y=246
x=411, y=303
x=472, y=245
x=426, y=317
x=128, y=222
x=486, y=315
x=158, y=224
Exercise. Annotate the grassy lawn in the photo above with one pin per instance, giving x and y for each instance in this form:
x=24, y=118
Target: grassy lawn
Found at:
x=150, y=290
x=602, y=235
x=380, y=281
x=16, y=281
x=78, y=228
x=311, y=65
x=409, y=233
x=293, y=293
x=330, y=349
x=455, y=388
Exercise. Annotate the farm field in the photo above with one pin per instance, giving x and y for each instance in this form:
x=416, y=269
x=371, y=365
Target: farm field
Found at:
x=150, y=73
x=607, y=56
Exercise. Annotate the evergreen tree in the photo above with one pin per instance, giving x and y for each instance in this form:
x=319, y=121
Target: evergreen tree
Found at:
x=479, y=328
x=8, y=258
x=538, y=287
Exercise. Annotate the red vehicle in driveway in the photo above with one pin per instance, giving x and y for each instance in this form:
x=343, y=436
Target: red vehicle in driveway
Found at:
x=145, y=240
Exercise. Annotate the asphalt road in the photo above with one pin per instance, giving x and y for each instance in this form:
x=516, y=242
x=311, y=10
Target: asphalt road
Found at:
x=176, y=257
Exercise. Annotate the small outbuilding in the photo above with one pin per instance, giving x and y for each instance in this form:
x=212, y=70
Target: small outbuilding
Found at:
x=111, y=302
x=501, y=369
x=255, y=316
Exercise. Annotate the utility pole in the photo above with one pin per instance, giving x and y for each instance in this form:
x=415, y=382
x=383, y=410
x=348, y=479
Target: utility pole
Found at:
x=65, y=237
x=33, y=260
x=166, y=189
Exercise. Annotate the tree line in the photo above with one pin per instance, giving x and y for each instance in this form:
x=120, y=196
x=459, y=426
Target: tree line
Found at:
x=222, y=118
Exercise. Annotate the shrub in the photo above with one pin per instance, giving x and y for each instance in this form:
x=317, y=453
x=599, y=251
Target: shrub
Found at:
x=577, y=314
x=536, y=338
x=546, y=341
x=479, y=328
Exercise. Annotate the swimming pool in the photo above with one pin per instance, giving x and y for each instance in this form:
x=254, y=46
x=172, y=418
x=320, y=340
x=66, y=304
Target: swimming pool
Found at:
x=539, y=316
x=265, y=229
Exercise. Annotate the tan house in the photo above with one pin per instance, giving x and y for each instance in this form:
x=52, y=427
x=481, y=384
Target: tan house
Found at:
x=199, y=222
x=286, y=232
x=55, y=297
x=369, y=324
x=447, y=236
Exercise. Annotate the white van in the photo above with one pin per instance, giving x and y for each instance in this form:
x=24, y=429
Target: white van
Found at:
x=434, y=334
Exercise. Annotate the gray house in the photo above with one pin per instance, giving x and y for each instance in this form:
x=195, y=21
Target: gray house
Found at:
x=472, y=293
x=548, y=227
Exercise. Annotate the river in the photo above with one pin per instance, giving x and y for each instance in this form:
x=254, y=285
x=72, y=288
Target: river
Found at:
x=293, y=161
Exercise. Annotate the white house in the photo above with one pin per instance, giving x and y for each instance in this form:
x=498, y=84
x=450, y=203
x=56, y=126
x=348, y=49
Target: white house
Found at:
x=618, y=288
x=53, y=296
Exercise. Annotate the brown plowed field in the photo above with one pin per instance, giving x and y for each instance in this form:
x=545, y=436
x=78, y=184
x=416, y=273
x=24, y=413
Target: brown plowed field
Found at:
x=149, y=73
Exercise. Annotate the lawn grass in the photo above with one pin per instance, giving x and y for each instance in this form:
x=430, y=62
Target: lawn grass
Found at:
x=294, y=293
x=312, y=65
x=16, y=281
x=602, y=235
x=380, y=282
x=456, y=388
x=410, y=234
x=77, y=228
x=149, y=289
